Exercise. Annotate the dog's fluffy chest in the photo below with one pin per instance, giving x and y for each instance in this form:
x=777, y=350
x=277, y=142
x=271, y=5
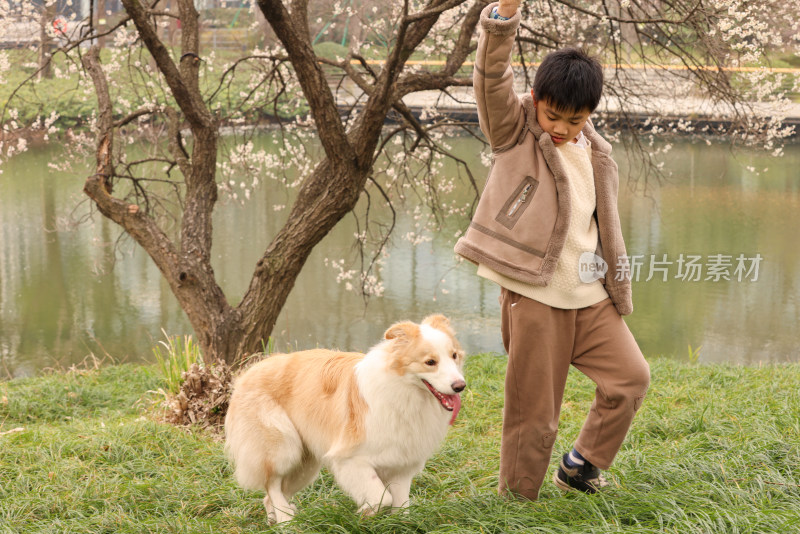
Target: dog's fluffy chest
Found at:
x=404, y=427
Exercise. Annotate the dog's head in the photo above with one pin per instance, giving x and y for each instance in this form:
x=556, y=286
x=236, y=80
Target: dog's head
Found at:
x=429, y=355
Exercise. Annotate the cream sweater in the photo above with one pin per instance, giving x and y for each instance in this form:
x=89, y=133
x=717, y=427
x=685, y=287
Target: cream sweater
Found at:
x=566, y=290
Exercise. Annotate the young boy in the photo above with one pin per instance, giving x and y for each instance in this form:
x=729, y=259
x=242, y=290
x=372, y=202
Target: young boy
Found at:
x=545, y=227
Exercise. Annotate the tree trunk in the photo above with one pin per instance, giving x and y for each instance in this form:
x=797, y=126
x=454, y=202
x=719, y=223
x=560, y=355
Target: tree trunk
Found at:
x=326, y=196
x=46, y=45
x=99, y=22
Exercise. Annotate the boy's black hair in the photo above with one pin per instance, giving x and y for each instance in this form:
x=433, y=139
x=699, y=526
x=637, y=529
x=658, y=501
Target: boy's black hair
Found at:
x=570, y=80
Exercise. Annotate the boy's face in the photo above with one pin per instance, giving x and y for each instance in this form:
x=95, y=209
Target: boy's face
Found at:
x=562, y=125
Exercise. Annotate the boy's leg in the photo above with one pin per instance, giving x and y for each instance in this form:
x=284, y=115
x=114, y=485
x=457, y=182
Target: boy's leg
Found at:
x=539, y=342
x=606, y=352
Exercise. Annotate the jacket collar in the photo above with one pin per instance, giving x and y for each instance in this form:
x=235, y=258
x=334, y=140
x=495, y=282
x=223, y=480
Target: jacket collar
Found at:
x=597, y=141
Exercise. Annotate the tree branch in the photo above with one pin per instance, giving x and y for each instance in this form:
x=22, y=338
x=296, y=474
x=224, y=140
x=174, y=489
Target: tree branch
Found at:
x=98, y=186
x=155, y=13
x=312, y=79
x=175, y=142
x=232, y=69
x=432, y=11
x=408, y=37
x=133, y=116
x=426, y=81
x=189, y=63
x=190, y=103
x=463, y=46
x=630, y=20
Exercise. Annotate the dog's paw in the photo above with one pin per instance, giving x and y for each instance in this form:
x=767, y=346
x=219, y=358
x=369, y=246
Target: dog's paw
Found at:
x=281, y=516
x=402, y=509
x=271, y=518
x=369, y=510
x=275, y=516
x=270, y=511
x=379, y=503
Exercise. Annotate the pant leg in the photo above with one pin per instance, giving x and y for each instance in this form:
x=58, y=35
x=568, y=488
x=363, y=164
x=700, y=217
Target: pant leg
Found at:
x=539, y=342
x=606, y=352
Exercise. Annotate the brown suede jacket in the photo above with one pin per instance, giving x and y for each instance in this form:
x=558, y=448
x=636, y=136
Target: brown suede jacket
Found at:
x=521, y=222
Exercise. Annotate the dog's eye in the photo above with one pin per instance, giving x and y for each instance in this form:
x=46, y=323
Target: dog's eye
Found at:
x=455, y=355
x=431, y=362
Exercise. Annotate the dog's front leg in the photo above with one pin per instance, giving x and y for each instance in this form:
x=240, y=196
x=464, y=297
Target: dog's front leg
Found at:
x=400, y=488
x=359, y=479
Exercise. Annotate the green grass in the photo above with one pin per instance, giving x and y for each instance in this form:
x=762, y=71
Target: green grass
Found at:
x=174, y=356
x=715, y=449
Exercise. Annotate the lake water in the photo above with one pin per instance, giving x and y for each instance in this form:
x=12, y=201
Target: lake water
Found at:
x=65, y=293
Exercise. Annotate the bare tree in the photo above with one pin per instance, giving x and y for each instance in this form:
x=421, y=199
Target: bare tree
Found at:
x=327, y=194
x=183, y=102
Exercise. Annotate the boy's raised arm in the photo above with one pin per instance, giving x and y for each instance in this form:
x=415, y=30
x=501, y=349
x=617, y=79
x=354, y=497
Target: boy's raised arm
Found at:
x=499, y=109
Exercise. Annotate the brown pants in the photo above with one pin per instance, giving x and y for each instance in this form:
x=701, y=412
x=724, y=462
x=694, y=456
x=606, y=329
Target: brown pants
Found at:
x=542, y=342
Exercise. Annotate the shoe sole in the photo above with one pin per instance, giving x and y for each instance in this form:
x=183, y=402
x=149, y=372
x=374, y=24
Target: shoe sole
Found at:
x=563, y=486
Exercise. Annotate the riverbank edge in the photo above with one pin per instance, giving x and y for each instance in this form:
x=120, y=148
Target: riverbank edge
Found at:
x=692, y=124
x=714, y=448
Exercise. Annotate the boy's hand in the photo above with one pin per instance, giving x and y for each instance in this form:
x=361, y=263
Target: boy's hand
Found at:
x=508, y=8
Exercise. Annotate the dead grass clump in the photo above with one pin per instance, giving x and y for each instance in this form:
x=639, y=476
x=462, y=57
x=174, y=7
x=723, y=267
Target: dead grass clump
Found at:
x=203, y=397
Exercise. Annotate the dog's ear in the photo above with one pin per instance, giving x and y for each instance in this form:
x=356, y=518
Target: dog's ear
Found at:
x=405, y=331
x=439, y=322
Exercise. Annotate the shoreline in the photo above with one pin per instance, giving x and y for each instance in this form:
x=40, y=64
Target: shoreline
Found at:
x=702, y=125
x=703, y=119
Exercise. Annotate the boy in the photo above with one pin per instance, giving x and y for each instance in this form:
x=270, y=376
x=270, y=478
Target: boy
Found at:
x=550, y=202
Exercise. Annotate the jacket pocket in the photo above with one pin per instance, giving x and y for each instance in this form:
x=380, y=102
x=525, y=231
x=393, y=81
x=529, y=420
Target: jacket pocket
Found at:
x=517, y=203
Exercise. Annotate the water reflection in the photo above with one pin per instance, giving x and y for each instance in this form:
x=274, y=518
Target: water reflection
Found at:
x=64, y=293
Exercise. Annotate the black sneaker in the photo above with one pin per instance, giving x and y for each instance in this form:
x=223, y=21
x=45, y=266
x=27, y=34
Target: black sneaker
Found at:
x=586, y=478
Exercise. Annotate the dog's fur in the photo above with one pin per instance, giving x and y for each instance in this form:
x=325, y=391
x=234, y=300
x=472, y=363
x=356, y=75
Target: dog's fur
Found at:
x=371, y=419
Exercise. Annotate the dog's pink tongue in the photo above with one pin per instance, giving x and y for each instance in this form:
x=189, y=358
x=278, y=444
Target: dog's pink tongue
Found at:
x=456, y=406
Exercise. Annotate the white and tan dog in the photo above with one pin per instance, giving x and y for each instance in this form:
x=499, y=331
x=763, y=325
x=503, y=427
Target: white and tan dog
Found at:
x=372, y=419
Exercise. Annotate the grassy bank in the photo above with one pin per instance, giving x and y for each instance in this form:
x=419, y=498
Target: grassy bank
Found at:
x=714, y=449
x=30, y=98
